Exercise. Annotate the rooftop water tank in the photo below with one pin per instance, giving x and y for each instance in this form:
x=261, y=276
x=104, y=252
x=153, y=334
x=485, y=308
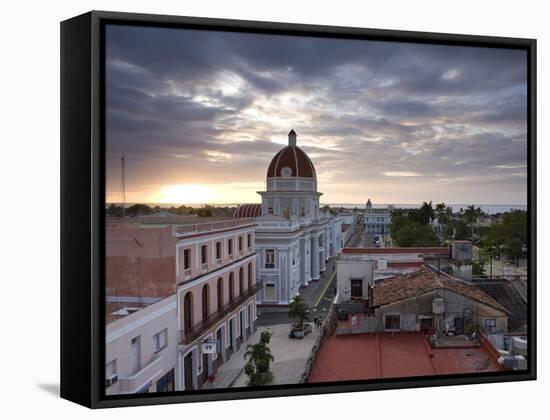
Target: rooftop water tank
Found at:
x=508, y=362
x=521, y=363
x=519, y=346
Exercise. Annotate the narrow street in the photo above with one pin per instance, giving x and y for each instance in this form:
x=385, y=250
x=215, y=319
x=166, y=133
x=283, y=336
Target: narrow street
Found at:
x=318, y=296
x=364, y=240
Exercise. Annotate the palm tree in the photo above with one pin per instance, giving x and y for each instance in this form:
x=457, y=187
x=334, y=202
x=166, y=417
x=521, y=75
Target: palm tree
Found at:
x=471, y=215
x=259, y=357
x=298, y=310
x=426, y=213
x=441, y=213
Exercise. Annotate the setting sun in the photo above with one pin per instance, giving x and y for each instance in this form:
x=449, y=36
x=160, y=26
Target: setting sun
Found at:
x=184, y=193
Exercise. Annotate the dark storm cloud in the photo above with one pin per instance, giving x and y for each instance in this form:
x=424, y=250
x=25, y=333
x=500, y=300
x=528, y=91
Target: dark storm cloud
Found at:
x=185, y=101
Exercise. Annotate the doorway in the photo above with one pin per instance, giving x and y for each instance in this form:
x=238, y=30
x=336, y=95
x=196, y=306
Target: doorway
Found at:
x=459, y=326
x=205, y=370
x=188, y=371
x=231, y=335
x=136, y=354
x=219, y=344
x=426, y=325
x=241, y=324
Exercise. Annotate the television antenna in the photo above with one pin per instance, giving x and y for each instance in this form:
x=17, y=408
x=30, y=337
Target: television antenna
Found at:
x=123, y=182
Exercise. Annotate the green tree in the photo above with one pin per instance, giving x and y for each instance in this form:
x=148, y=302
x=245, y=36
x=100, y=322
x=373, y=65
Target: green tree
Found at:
x=298, y=310
x=114, y=210
x=398, y=220
x=459, y=230
x=471, y=215
x=259, y=358
x=424, y=215
x=206, y=211
x=510, y=235
x=138, y=209
x=415, y=234
x=442, y=213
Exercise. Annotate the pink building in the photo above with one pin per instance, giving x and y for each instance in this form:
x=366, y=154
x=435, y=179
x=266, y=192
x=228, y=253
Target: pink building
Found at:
x=180, y=300
x=216, y=276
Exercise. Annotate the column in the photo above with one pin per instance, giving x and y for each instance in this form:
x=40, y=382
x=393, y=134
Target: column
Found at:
x=323, y=253
x=314, y=254
x=304, y=272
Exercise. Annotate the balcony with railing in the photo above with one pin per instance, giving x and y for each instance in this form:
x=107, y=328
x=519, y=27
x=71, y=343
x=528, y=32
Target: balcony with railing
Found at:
x=187, y=337
x=181, y=231
x=129, y=384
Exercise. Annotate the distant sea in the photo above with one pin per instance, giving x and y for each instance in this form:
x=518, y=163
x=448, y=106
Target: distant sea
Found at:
x=487, y=208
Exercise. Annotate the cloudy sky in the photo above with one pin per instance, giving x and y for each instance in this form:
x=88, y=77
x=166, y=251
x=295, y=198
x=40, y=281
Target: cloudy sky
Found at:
x=199, y=115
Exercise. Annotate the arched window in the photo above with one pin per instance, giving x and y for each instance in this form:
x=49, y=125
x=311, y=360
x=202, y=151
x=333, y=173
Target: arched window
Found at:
x=249, y=275
x=241, y=281
x=205, y=302
x=188, y=312
x=220, y=293
x=231, y=287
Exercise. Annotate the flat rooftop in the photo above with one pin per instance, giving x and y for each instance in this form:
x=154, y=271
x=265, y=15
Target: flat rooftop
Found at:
x=394, y=355
x=154, y=220
x=437, y=250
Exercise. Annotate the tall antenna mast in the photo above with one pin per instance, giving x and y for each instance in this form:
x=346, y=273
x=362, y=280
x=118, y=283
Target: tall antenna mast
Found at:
x=123, y=183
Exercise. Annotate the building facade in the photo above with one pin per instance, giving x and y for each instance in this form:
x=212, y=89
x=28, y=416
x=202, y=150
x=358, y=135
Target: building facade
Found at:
x=216, y=295
x=378, y=221
x=202, y=309
x=294, y=240
x=141, y=349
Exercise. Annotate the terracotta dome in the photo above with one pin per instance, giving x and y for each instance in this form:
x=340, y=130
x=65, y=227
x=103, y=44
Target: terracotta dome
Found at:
x=291, y=161
x=248, y=210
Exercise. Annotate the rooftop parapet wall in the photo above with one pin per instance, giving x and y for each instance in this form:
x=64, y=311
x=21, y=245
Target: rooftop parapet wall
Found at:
x=200, y=228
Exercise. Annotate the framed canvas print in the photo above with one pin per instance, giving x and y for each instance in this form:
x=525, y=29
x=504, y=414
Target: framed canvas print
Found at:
x=256, y=209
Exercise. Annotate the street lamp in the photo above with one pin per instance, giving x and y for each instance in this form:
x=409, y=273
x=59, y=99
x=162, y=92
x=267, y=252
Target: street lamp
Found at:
x=523, y=251
x=491, y=251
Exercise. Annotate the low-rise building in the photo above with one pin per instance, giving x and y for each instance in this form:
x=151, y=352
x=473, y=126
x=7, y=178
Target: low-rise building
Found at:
x=141, y=348
x=141, y=326
x=425, y=300
x=388, y=262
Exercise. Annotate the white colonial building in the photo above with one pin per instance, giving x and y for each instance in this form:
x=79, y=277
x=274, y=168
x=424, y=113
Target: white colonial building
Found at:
x=378, y=221
x=294, y=239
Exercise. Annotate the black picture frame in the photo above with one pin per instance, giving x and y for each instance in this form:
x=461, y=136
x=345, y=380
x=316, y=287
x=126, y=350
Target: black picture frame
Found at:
x=83, y=201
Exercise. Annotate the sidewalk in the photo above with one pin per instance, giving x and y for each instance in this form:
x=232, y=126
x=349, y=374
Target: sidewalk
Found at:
x=290, y=356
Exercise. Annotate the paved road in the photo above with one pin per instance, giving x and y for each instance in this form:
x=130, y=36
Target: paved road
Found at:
x=317, y=294
x=363, y=240
x=315, y=289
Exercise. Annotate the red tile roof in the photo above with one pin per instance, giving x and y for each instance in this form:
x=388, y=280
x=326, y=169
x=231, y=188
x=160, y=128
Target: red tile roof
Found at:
x=424, y=281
